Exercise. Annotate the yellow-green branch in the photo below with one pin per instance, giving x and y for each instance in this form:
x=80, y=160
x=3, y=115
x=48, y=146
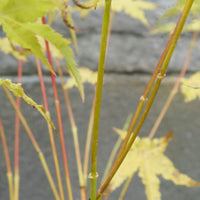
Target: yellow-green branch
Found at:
x=160, y=76
x=93, y=175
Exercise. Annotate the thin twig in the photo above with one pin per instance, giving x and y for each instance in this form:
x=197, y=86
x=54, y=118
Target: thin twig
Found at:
x=17, y=132
x=34, y=142
x=60, y=124
x=74, y=132
x=175, y=88
x=51, y=135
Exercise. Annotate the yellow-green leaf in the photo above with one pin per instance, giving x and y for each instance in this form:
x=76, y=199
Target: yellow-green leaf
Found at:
x=120, y=132
x=63, y=45
x=26, y=10
x=122, y=173
x=174, y=11
x=25, y=37
x=169, y=13
x=169, y=172
x=151, y=182
x=147, y=157
x=96, y=3
x=193, y=26
x=7, y=48
x=166, y=28
x=18, y=91
x=190, y=87
x=195, y=7
x=25, y=34
x=134, y=8
x=86, y=76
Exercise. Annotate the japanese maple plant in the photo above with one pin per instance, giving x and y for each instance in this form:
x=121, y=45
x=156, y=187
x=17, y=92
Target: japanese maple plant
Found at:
x=27, y=32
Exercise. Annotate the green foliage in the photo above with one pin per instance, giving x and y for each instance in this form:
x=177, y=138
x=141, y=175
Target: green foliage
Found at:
x=25, y=37
x=63, y=45
x=193, y=26
x=147, y=157
x=86, y=76
x=173, y=12
x=26, y=10
x=96, y=3
x=7, y=47
x=20, y=24
x=169, y=27
x=190, y=87
x=134, y=8
x=18, y=91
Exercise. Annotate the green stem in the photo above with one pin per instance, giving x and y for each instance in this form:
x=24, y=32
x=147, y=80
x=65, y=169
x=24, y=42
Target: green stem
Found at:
x=160, y=76
x=115, y=149
x=143, y=98
x=177, y=33
x=88, y=142
x=125, y=188
x=17, y=134
x=51, y=136
x=175, y=88
x=93, y=175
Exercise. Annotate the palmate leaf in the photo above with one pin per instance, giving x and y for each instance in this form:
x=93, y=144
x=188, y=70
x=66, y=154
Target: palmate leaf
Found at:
x=147, y=157
x=178, y=7
x=174, y=11
x=193, y=26
x=19, y=29
x=190, y=87
x=166, y=28
x=96, y=3
x=26, y=10
x=86, y=76
x=7, y=48
x=18, y=91
x=195, y=7
x=26, y=38
x=25, y=34
x=55, y=53
x=63, y=45
x=133, y=8
x=169, y=13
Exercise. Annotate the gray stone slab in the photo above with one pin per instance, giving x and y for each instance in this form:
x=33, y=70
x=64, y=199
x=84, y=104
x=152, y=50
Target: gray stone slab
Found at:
x=132, y=52
x=131, y=49
x=121, y=95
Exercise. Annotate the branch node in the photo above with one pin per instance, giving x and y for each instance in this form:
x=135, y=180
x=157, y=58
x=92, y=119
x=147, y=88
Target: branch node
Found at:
x=161, y=76
x=90, y=176
x=142, y=98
